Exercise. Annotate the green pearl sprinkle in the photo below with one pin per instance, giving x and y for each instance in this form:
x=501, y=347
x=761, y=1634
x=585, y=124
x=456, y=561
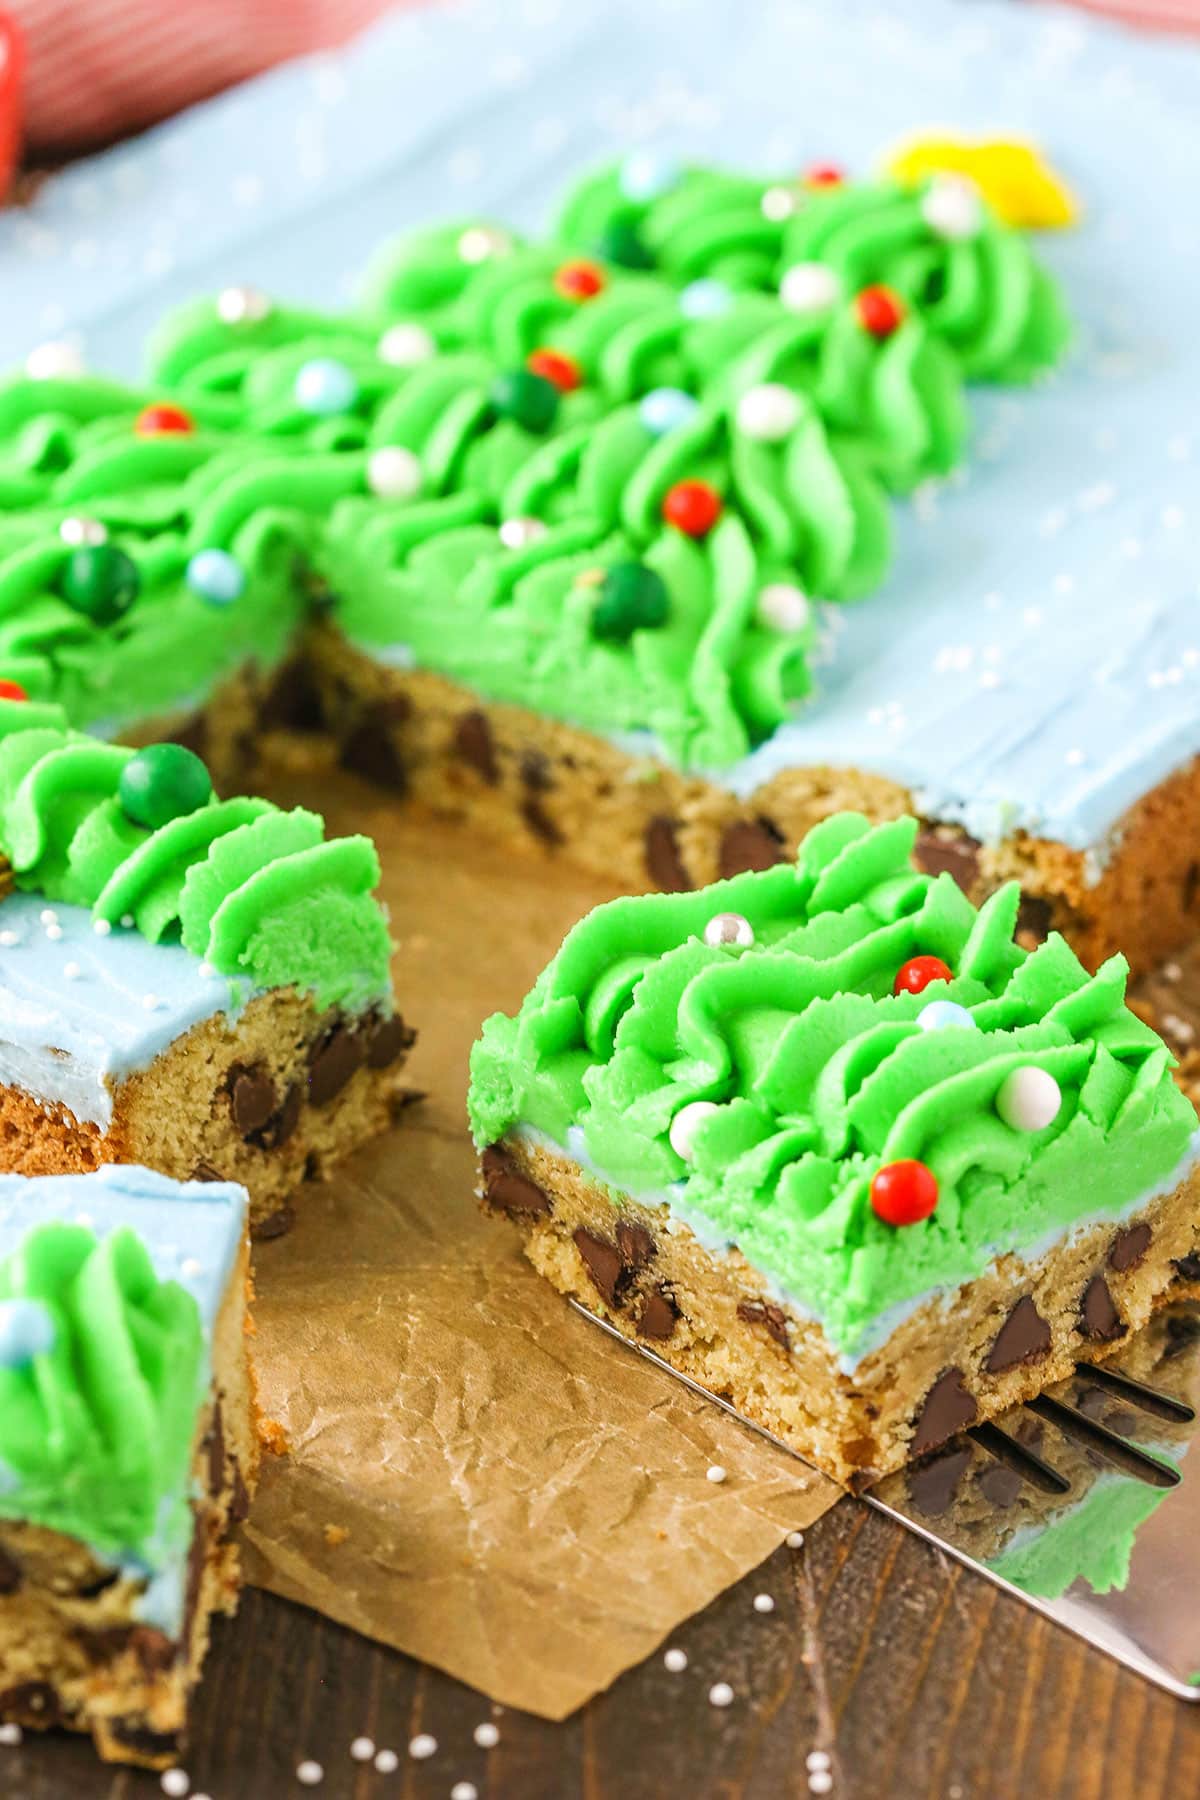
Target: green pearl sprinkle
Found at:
x=525, y=398
x=162, y=783
x=632, y=598
x=100, y=581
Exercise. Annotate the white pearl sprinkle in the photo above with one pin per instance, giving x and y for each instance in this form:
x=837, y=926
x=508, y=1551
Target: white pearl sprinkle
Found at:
x=404, y=346
x=479, y=243
x=10, y=1734
x=48, y=916
x=951, y=207
x=516, y=534
x=729, y=928
x=102, y=927
x=1029, y=1099
x=191, y=1266
x=778, y=203
x=54, y=932
x=810, y=287
x=309, y=1773
x=487, y=1735
x=1172, y=517
x=206, y=971
x=387, y=1762
x=78, y=530
x=464, y=1790
x=794, y=1540
x=242, y=305
x=768, y=412
x=820, y=1782
x=715, y=1473
x=686, y=1123
x=127, y=921
x=394, y=473
x=720, y=1694
x=422, y=1746
x=72, y=971
x=56, y=361
x=818, y=1759
x=676, y=1661
x=151, y=1002
x=764, y=1603
x=782, y=606
x=8, y=939
x=175, y=1783
x=362, y=1749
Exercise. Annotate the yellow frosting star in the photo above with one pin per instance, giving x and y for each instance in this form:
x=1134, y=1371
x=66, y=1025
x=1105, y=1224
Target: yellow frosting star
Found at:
x=1012, y=175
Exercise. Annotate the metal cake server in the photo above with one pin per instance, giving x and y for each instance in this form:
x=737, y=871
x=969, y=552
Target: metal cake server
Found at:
x=1083, y=1502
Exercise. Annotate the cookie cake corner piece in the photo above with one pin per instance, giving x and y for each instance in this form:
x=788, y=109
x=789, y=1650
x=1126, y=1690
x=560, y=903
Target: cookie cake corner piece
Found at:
x=128, y=1448
x=195, y=984
x=828, y=1140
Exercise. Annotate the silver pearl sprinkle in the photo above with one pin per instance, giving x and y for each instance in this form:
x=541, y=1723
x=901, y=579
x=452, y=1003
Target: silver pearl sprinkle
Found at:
x=729, y=928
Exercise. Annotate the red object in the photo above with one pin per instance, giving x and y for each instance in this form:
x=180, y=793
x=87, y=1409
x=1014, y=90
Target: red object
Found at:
x=692, y=507
x=880, y=311
x=12, y=690
x=153, y=421
x=555, y=366
x=12, y=70
x=914, y=977
x=824, y=175
x=904, y=1193
x=579, y=280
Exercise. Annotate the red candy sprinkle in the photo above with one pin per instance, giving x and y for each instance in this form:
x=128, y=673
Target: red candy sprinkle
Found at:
x=692, y=507
x=915, y=976
x=824, y=175
x=152, y=421
x=904, y=1193
x=579, y=280
x=555, y=366
x=880, y=310
x=12, y=690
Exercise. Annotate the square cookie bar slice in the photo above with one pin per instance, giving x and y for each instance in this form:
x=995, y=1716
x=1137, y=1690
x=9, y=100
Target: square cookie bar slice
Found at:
x=832, y=1143
x=128, y=1448
x=198, y=985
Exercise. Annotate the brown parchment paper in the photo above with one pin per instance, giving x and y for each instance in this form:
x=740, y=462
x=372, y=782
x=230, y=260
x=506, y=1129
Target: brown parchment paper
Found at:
x=469, y=1459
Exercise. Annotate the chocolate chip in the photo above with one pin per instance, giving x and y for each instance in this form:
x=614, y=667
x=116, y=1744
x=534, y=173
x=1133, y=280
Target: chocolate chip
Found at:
x=10, y=1573
x=332, y=1061
x=155, y=1651
x=239, y=1496
x=1129, y=1247
x=473, y=742
x=275, y=1225
x=1187, y=1267
x=155, y=1746
x=282, y=1123
x=933, y=1486
x=387, y=1040
x=293, y=701
x=1191, y=886
x=948, y=1408
x=658, y=1316
x=660, y=851
x=204, y=1171
x=535, y=772
x=32, y=1702
x=252, y=1098
x=750, y=844
x=507, y=1189
x=1091, y=1402
x=636, y=1245
x=215, y=1447
x=192, y=735
x=370, y=749
x=1098, y=1317
x=948, y=853
x=1033, y=918
x=1024, y=1337
x=765, y=1313
x=999, y=1484
x=603, y=1261
x=540, y=822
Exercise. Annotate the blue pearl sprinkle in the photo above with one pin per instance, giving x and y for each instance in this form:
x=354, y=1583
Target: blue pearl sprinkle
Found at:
x=325, y=386
x=27, y=1330
x=705, y=299
x=941, y=1014
x=216, y=576
x=645, y=174
x=666, y=409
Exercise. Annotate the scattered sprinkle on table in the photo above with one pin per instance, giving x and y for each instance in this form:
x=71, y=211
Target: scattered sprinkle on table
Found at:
x=309, y=1773
x=387, y=1762
x=716, y=1472
x=464, y=1790
x=764, y=1603
x=794, y=1539
x=422, y=1746
x=487, y=1735
x=362, y=1749
x=676, y=1661
x=820, y=1781
x=10, y=1734
x=175, y=1783
x=720, y=1694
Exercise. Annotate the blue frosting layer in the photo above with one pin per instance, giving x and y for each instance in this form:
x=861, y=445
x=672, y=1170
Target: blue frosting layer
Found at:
x=1036, y=659
x=80, y=1012
x=192, y=1231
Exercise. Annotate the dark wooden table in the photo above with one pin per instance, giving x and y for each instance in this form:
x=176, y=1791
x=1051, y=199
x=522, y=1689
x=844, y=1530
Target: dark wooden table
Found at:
x=921, y=1679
